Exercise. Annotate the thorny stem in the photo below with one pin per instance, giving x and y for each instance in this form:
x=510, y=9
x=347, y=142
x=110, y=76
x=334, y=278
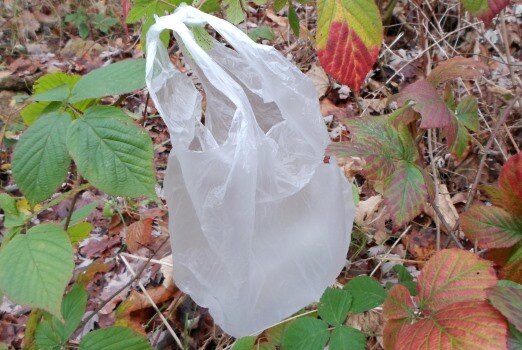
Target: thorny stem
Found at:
x=73, y=203
x=132, y=280
x=492, y=137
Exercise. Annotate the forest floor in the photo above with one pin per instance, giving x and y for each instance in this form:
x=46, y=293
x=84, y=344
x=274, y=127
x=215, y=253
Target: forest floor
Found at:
x=35, y=39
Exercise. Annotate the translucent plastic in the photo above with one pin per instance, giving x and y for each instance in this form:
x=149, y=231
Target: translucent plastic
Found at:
x=260, y=226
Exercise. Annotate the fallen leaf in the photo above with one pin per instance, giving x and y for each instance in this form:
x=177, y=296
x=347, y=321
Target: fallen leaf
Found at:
x=138, y=234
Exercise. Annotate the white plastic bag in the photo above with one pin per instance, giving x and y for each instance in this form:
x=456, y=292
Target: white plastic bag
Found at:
x=260, y=226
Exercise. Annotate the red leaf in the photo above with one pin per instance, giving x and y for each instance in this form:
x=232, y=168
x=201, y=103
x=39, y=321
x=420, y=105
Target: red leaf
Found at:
x=513, y=269
x=510, y=184
x=428, y=103
x=454, y=275
x=464, y=325
x=398, y=304
x=456, y=67
x=346, y=47
x=390, y=333
x=493, y=227
x=485, y=10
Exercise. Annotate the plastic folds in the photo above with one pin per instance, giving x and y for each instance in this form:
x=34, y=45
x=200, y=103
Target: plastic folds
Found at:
x=260, y=226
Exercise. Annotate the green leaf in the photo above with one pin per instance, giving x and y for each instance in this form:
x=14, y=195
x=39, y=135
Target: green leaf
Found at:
x=53, y=333
x=82, y=213
x=148, y=8
x=114, y=155
x=367, y=293
x=279, y=4
x=202, y=37
x=245, y=343
x=32, y=111
x=79, y=232
x=334, y=306
x=234, y=11
x=514, y=338
x=12, y=217
x=406, y=279
x=114, y=338
x=467, y=113
x=262, y=32
x=53, y=80
x=344, y=338
x=507, y=283
x=60, y=93
x=36, y=268
x=293, y=20
x=40, y=160
x=164, y=35
x=306, y=333
x=115, y=79
x=405, y=193
x=209, y=6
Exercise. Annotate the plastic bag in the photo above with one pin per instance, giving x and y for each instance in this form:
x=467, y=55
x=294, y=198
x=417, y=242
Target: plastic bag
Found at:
x=259, y=225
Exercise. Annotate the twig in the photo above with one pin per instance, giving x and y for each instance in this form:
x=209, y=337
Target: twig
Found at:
x=492, y=137
x=435, y=182
x=165, y=322
x=391, y=248
x=73, y=203
x=152, y=261
x=140, y=271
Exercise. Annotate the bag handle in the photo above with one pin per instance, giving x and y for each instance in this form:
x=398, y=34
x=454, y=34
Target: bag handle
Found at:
x=214, y=73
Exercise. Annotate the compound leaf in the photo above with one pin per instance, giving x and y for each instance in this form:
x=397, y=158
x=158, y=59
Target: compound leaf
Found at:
x=334, y=306
x=344, y=337
x=114, y=338
x=306, y=333
x=349, y=36
x=367, y=293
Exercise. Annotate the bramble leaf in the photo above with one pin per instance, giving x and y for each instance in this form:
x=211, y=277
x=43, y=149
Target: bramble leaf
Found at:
x=245, y=343
x=467, y=118
x=40, y=159
x=349, y=36
x=493, y=227
x=456, y=67
x=12, y=216
x=234, y=11
x=112, y=153
x=398, y=304
x=79, y=232
x=113, y=79
x=508, y=300
x=463, y=325
x=53, y=333
x=334, y=306
x=486, y=10
x=366, y=292
x=454, y=275
x=405, y=193
x=433, y=110
x=510, y=184
x=306, y=333
x=36, y=268
x=344, y=337
x=114, y=338
x=513, y=269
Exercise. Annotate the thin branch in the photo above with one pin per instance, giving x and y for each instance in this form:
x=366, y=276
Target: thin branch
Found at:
x=492, y=137
x=154, y=306
x=128, y=284
x=73, y=203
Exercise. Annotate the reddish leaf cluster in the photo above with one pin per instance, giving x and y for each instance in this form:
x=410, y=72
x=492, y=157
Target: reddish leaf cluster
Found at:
x=450, y=310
